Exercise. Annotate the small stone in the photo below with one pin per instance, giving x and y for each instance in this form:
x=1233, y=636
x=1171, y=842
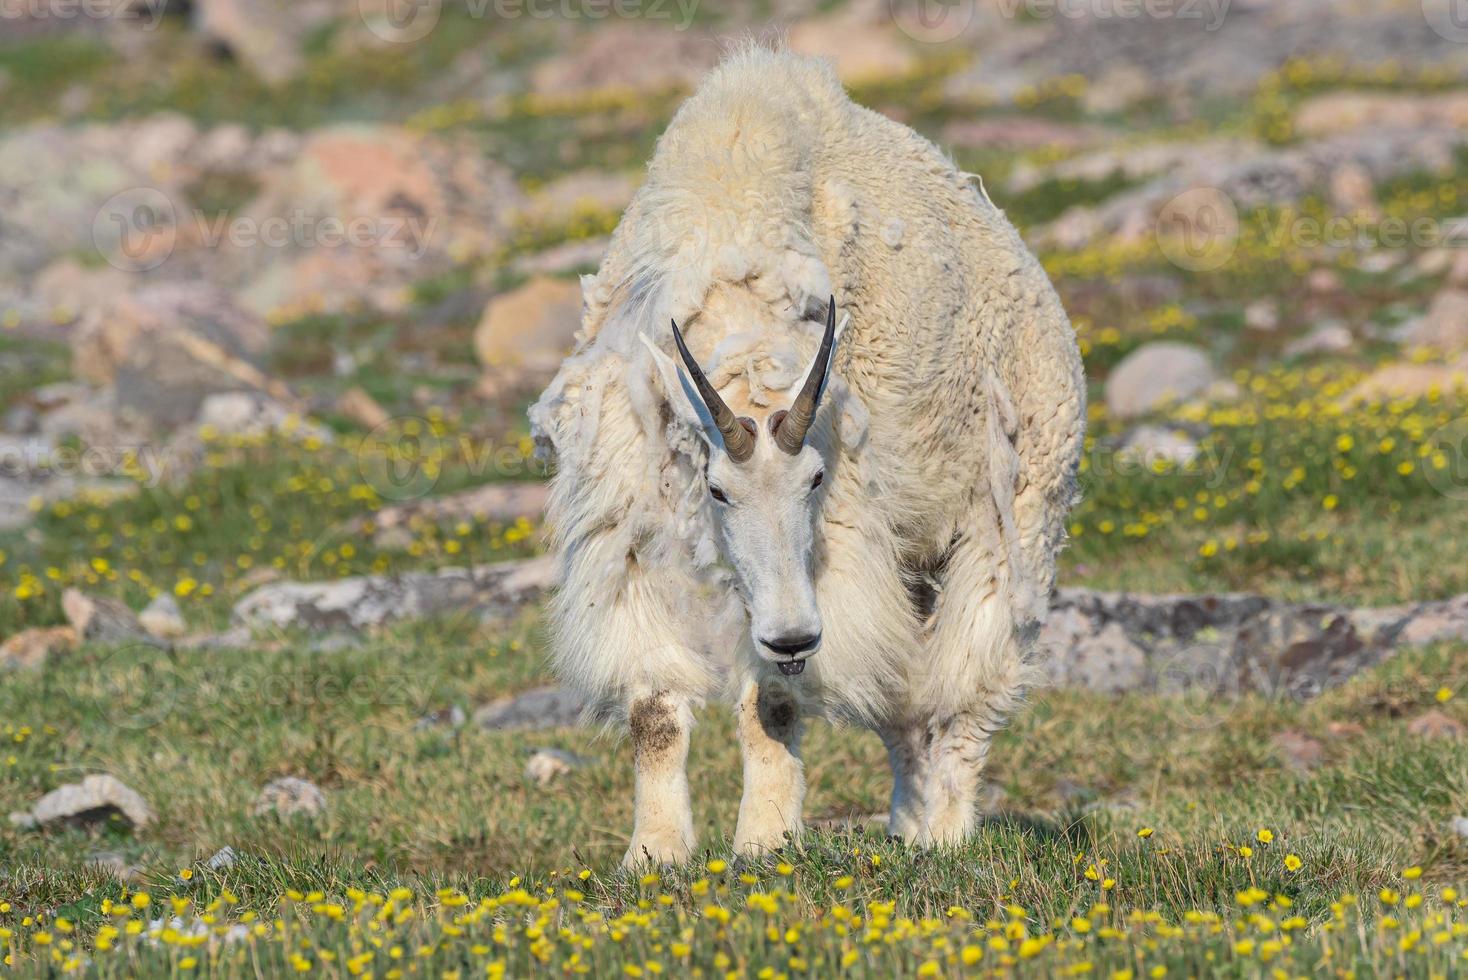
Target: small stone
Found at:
x=1327, y=337
x=222, y=859
x=1262, y=314
x=1323, y=281
x=1460, y=826
x=1149, y=444
x=450, y=717
x=290, y=796
x=1435, y=724
x=94, y=800
x=547, y=765
x=1345, y=729
x=163, y=618
x=1301, y=752
x=361, y=408
x=542, y=707
x=101, y=619
x=33, y=647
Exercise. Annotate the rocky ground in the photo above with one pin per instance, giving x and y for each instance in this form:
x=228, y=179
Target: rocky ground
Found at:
x=277, y=280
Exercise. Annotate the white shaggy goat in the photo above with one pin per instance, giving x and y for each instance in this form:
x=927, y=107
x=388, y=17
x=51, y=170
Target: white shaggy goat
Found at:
x=875, y=544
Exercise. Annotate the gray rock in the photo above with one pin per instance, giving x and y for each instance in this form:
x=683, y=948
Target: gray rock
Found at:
x=1229, y=643
x=95, y=799
x=222, y=859
x=1148, y=444
x=1445, y=325
x=538, y=708
x=290, y=796
x=545, y=766
x=1328, y=337
x=1262, y=314
x=370, y=601
x=1459, y=826
x=102, y=619
x=450, y=717
x=163, y=618
x=1157, y=374
x=247, y=413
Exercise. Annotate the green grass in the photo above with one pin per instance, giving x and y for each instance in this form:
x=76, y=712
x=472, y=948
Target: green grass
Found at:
x=429, y=810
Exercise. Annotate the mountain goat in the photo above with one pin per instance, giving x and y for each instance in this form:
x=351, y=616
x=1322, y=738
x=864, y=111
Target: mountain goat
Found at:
x=846, y=507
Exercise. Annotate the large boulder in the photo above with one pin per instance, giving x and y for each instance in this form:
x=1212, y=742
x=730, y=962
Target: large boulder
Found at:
x=94, y=800
x=370, y=601
x=168, y=346
x=1445, y=325
x=264, y=35
x=1227, y=644
x=1155, y=375
x=1346, y=111
x=361, y=214
x=525, y=333
x=1402, y=379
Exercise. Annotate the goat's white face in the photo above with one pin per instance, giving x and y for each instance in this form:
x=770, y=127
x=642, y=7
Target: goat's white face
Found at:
x=766, y=510
x=764, y=483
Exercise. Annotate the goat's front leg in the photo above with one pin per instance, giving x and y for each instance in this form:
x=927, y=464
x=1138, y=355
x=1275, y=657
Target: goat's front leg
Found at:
x=774, y=779
x=662, y=821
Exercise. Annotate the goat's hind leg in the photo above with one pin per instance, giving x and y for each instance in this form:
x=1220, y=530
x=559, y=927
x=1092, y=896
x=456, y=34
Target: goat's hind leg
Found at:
x=907, y=752
x=978, y=673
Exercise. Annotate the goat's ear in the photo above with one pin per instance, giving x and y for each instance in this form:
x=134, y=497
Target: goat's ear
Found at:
x=681, y=394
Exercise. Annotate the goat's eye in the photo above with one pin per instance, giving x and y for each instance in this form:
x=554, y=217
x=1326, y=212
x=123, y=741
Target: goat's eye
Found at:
x=818, y=478
x=717, y=494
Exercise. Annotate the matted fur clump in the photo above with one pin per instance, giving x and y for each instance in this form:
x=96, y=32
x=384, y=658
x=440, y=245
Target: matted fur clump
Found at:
x=947, y=438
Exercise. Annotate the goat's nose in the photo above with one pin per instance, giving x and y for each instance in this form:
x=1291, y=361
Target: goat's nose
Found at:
x=793, y=645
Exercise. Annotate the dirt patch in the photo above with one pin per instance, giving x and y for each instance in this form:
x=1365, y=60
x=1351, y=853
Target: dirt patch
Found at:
x=654, y=725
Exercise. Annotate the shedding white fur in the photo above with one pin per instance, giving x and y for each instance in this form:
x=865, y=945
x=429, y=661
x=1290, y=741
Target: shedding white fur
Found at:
x=907, y=545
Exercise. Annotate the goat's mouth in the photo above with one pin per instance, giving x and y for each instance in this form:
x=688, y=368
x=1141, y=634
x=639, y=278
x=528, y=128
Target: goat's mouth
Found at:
x=790, y=667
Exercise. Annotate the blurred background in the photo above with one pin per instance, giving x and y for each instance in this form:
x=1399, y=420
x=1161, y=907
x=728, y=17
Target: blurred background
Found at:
x=278, y=279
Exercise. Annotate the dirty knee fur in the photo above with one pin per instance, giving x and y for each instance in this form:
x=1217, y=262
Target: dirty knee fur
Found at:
x=662, y=823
